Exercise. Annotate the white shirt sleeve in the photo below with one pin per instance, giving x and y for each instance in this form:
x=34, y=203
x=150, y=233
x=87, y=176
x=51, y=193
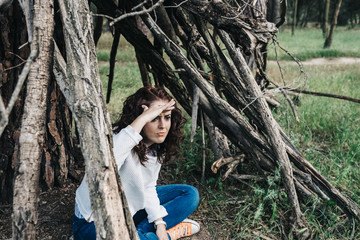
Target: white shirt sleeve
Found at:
x=152, y=203
x=124, y=142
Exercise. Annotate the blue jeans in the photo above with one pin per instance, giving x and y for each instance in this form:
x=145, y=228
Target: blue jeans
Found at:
x=179, y=200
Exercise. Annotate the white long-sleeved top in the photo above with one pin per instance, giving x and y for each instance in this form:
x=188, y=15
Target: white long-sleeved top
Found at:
x=139, y=181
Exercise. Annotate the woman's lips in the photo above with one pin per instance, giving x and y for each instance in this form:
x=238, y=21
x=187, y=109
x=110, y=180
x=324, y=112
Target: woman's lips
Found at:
x=160, y=133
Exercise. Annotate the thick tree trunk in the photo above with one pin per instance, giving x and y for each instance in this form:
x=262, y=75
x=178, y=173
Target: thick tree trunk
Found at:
x=12, y=35
x=33, y=129
x=81, y=85
x=329, y=38
x=58, y=146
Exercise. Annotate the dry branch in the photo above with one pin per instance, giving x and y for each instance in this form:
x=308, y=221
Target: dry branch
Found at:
x=113, y=52
x=132, y=14
x=272, y=130
x=301, y=91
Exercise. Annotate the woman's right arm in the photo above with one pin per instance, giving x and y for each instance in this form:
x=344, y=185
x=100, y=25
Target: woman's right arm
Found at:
x=124, y=142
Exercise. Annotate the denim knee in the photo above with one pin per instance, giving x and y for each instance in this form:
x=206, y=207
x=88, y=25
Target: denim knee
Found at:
x=193, y=194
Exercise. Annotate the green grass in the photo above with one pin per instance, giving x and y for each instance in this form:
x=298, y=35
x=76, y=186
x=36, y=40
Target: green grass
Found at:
x=125, y=51
x=308, y=43
x=327, y=135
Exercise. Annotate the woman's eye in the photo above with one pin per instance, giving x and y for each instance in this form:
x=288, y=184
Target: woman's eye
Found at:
x=155, y=119
x=167, y=117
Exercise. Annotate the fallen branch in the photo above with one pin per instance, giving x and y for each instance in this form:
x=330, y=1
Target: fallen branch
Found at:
x=322, y=94
x=223, y=161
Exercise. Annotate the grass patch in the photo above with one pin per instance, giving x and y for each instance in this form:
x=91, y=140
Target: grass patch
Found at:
x=308, y=43
x=328, y=132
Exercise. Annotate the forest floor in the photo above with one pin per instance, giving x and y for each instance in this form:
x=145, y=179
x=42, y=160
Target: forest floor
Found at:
x=56, y=206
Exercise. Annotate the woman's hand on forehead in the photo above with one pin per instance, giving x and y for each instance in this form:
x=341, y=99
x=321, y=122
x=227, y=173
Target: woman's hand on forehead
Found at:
x=163, y=107
x=151, y=112
x=156, y=109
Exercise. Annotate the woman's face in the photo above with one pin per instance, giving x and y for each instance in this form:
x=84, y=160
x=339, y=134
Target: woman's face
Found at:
x=157, y=130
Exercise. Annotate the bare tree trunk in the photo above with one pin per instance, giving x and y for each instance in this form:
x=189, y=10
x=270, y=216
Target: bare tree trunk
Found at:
x=294, y=17
x=81, y=85
x=325, y=25
x=12, y=35
x=329, y=38
x=58, y=146
x=26, y=187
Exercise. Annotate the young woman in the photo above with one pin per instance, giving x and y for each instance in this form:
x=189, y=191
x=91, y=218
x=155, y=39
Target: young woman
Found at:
x=146, y=136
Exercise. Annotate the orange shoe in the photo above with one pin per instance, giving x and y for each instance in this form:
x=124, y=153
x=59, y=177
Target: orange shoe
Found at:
x=184, y=229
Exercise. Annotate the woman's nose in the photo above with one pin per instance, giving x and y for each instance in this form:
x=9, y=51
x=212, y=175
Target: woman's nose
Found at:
x=161, y=123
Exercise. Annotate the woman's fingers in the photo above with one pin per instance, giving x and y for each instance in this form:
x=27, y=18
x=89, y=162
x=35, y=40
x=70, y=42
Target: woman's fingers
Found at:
x=145, y=107
x=168, y=106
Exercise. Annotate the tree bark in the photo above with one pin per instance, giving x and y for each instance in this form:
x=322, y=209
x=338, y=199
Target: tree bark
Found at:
x=83, y=92
x=294, y=18
x=12, y=35
x=325, y=25
x=33, y=130
x=58, y=146
x=329, y=38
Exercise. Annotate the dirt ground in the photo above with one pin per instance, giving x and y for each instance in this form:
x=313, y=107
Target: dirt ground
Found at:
x=55, y=211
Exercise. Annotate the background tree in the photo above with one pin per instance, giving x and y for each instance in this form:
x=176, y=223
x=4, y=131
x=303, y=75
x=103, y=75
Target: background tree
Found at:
x=325, y=24
x=294, y=17
x=315, y=12
x=330, y=36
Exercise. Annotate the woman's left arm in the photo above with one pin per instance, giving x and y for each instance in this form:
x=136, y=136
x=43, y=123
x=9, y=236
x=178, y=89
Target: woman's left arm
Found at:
x=160, y=226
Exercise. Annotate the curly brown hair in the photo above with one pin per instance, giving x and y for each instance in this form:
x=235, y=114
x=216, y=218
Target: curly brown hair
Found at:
x=132, y=109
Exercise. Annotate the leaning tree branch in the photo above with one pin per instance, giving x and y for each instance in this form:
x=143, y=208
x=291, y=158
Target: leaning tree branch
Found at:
x=271, y=128
x=113, y=52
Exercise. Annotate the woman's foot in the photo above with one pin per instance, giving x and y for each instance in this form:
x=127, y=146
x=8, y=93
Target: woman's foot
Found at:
x=184, y=229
